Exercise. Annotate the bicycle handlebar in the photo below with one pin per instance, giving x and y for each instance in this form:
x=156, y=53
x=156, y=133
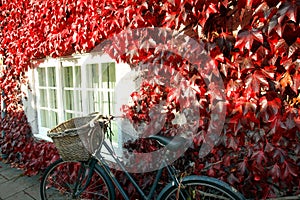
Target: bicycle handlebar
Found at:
x=99, y=117
x=91, y=123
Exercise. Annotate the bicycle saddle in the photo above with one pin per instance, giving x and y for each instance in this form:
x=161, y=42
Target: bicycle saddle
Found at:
x=173, y=143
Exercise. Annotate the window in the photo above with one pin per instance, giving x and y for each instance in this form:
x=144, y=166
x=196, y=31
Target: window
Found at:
x=100, y=87
x=73, y=87
x=72, y=91
x=47, y=92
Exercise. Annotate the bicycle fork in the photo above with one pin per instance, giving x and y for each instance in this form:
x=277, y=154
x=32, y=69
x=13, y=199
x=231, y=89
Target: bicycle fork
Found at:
x=81, y=177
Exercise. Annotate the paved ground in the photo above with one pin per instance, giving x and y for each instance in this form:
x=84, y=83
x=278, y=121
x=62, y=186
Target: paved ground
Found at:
x=15, y=186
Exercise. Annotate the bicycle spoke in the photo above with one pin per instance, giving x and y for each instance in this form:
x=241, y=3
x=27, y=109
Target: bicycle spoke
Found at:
x=201, y=188
x=210, y=194
x=70, y=180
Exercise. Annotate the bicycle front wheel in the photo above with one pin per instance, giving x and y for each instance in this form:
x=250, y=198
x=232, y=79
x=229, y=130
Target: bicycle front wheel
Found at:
x=200, y=187
x=70, y=180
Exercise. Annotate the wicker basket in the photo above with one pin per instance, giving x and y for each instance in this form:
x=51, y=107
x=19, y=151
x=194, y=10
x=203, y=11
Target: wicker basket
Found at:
x=75, y=145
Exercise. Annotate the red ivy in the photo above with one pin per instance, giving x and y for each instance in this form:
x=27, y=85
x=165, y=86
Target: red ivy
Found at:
x=256, y=51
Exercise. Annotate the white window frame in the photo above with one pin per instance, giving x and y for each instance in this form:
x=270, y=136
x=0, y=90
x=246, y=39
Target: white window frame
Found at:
x=75, y=60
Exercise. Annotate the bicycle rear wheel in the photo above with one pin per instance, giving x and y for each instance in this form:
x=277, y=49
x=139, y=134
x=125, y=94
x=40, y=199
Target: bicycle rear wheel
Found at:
x=67, y=180
x=200, y=187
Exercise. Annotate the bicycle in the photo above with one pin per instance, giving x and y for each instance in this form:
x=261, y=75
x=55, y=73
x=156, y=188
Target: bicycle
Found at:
x=93, y=179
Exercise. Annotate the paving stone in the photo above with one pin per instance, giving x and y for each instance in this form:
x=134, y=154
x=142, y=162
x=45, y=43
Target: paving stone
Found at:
x=14, y=186
x=2, y=179
x=3, y=166
x=20, y=196
x=11, y=173
x=34, y=191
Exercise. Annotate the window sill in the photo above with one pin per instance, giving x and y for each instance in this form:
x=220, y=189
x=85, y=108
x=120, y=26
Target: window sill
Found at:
x=42, y=137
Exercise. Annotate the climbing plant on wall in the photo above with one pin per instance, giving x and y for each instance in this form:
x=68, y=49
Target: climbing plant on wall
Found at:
x=254, y=44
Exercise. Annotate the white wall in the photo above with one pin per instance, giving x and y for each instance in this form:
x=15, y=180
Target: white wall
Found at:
x=29, y=102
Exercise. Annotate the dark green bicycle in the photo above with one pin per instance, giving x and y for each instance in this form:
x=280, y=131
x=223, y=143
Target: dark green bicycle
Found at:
x=91, y=178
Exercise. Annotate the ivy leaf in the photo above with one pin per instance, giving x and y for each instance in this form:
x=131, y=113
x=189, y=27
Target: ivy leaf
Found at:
x=245, y=39
x=275, y=172
x=82, y=4
x=232, y=179
x=256, y=80
x=280, y=47
x=273, y=21
x=279, y=154
x=289, y=170
x=269, y=147
x=269, y=109
x=243, y=166
x=288, y=9
x=286, y=80
x=232, y=142
x=211, y=9
x=262, y=9
x=294, y=48
x=297, y=122
x=259, y=157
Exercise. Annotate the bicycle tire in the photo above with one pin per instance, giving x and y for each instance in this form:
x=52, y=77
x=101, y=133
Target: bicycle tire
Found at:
x=60, y=178
x=200, y=187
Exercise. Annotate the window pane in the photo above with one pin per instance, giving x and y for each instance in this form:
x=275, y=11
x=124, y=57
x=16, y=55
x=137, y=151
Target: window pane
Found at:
x=43, y=98
x=52, y=98
x=108, y=85
x=107, y=103
x=108, y=72
x=49, y=119
x=77, y=77
x=69, y=100
x=108, y=75
x=51, y=76
x=42, y=76
x=68, y=76
x=93, y=101
x=53, y=119
x=44, y=117
x=93, y=76
x=78, y=101
x=69, y=115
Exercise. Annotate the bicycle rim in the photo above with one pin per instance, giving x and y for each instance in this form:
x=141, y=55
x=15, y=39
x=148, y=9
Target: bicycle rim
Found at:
x=202, y=188
x=66, y=180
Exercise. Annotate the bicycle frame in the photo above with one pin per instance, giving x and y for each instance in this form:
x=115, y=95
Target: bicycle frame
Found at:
x=177, y=186
x=102, y=165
